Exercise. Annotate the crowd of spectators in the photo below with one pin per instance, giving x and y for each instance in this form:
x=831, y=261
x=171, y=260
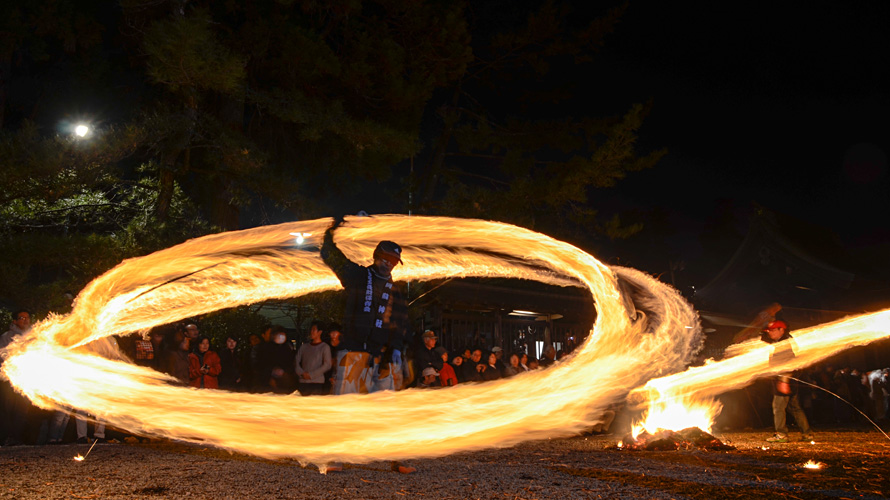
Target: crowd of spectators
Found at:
x=439, y=368
x=868, y=394
x=831, y=397
x=270, y=363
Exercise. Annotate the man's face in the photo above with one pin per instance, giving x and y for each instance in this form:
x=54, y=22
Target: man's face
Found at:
x=315, y=334
x=477, y=355
x=458, y=361
x=429, y=379
x=499, y=354
x=467, y=354
x=335, y=337
x=22, y=320
x=254, y=339
x=192, y=331
x=775, y=333
x=429, y=342
x=231, y=343
x=385, y=264
x=204, y=346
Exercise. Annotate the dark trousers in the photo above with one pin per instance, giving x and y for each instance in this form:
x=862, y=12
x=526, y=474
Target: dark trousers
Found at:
x=15, y=414
x=307, y=389
x=782, y=403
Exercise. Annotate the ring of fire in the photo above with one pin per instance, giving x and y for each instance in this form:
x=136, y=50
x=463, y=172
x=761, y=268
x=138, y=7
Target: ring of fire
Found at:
x=230, y=269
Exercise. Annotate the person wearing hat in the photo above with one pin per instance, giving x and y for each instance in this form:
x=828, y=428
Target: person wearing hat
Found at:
x=375, y=319
x=784, y=393
x=430, y=378
x=374, y=323
x=426, y=356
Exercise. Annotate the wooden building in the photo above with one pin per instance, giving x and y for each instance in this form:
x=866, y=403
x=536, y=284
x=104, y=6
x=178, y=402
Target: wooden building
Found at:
x=517, y=315
x=789, y=270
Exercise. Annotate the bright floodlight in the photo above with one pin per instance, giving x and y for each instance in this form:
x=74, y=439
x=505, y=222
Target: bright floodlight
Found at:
x=81, y=130
x=301, y=237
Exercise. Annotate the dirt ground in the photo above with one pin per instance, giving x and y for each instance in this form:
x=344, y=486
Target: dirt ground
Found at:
x=855, y=464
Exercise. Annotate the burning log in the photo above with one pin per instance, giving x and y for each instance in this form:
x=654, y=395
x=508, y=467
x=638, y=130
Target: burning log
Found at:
x=667, y=440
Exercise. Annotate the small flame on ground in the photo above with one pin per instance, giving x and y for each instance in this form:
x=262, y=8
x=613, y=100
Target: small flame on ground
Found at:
x=79, y=458
x=764, y=448
x=812, y=442
x=810, y=464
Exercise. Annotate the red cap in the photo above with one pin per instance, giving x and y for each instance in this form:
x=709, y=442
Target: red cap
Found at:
x=776, y=324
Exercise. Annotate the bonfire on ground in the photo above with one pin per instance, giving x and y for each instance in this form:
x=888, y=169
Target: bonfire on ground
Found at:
x=667, y=440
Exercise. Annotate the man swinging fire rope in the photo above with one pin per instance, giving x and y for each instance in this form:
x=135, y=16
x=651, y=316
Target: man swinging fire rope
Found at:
x=374, y=323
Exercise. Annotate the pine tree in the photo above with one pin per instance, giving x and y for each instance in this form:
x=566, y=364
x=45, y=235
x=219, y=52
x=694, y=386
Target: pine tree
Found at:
x=491, y=160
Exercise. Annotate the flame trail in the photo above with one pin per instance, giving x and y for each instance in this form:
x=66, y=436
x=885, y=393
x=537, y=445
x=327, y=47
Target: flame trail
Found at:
x=754, y=359
x=249, y=266
x=625, y=348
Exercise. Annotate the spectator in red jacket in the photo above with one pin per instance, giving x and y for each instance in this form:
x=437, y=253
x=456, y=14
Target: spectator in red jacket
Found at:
x=204, y=366
x=446, y=375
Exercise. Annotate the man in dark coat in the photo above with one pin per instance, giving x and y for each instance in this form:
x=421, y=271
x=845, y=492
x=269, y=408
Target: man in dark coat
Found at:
x=375, y=320
x=230, y=376
x=427, y=356
x=374, y=324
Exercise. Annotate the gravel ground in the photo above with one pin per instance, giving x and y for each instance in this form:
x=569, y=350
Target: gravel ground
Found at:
x=856, y=466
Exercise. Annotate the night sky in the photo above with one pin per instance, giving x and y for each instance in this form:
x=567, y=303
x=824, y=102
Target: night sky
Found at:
x=778, y=104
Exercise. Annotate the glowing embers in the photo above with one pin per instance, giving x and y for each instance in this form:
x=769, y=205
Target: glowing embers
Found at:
x=811, y=464
x=667, y=440
x=81, y=458
x=658, y=429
